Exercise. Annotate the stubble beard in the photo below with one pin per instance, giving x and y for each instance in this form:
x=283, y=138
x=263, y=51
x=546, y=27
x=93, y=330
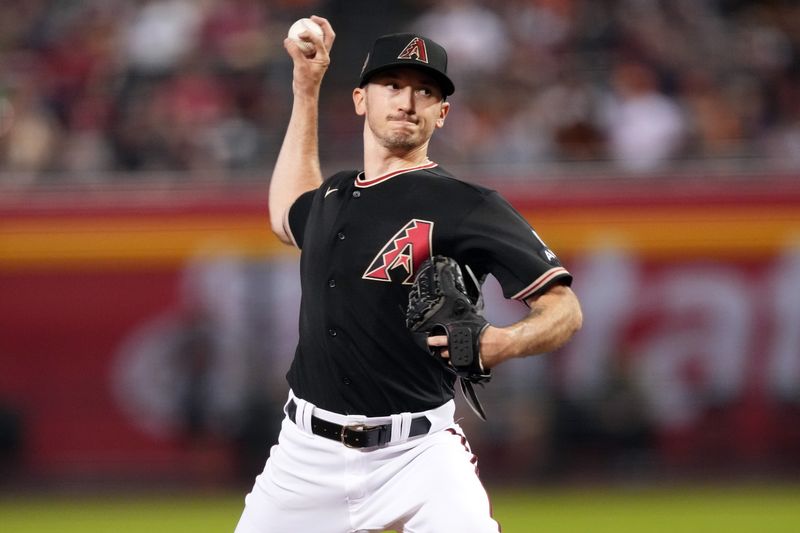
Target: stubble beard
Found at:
x=397, y=141
x=393, y=140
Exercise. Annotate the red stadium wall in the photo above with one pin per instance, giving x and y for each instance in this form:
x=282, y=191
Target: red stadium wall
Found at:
x=690, y=291
x=79, y=272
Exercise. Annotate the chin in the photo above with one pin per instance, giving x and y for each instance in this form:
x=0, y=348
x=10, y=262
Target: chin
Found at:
x=400, y=145
x=400, y=142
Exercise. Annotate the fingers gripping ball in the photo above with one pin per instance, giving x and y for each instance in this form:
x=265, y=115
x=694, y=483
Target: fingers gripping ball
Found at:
x=304, y=25
x=439, y=304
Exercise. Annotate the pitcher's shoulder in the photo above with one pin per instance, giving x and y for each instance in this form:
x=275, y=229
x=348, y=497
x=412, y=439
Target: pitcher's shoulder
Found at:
x=448, y=180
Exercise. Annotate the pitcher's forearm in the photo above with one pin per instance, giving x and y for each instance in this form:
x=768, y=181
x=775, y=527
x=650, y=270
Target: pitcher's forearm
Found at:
x=297, y=168
x=553, y=319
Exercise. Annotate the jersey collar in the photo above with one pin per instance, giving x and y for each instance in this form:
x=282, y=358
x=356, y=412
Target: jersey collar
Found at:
x=361, y=182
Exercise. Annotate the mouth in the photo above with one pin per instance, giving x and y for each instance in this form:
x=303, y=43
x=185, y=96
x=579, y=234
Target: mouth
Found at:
x=403, y=120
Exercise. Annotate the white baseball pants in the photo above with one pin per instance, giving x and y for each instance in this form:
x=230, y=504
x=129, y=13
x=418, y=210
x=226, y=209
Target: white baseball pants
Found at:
x=426, y=484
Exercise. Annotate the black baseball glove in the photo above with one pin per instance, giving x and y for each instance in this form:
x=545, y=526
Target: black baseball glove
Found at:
x=439, y=304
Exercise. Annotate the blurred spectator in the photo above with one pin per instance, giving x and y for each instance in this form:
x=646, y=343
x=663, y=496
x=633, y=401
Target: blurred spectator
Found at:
x=32, y=135
x=569, y=110
x=161, y=33
x=476, y=37
x=645, y=127
x=542, y=24
x=193, y=101
x=783, y=144
x=234, y=35
x=716, y=128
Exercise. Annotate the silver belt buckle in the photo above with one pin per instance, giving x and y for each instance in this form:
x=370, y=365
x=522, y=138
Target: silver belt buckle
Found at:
x=352, y=427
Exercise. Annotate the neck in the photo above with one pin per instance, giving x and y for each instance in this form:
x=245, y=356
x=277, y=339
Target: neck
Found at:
x=379, y=160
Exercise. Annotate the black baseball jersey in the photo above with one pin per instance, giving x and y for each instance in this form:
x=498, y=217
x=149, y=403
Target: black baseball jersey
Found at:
x=362, y=241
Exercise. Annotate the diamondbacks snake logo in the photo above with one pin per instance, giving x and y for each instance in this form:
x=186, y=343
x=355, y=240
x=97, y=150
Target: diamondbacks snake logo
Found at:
x=416, y=47
x=406, y=250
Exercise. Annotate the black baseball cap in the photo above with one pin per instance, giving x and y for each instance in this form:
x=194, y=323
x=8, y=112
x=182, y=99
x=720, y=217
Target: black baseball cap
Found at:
x=408, y=50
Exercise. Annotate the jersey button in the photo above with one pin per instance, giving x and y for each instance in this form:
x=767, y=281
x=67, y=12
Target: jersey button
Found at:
x=340, y=236
x=332, y=332
x=356, y=194
x=331, y=283
x=346, y=381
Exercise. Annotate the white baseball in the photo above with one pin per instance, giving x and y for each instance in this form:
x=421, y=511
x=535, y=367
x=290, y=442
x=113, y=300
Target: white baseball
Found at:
x=299, y=27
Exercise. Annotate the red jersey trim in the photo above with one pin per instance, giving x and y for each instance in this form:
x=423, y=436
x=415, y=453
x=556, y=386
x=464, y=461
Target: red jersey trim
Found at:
x=361, y=182
x=540, y=282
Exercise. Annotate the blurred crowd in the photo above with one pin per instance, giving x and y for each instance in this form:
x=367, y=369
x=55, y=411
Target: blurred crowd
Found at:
x=92, y=88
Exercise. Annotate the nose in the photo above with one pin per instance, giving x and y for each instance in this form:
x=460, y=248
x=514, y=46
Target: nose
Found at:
x=405, y=99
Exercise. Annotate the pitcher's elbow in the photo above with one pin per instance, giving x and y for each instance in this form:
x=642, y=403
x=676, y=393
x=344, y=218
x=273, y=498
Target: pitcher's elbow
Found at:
x=278, y=227
x=577, y=318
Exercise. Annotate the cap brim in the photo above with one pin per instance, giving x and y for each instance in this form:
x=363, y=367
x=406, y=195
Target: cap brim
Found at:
x=444, y=82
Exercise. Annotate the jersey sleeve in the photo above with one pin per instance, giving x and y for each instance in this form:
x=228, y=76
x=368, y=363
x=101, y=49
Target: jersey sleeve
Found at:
x=496, y=239
x=298, y=216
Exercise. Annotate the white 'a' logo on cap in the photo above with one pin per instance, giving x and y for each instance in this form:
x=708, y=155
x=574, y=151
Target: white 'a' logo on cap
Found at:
x=415, y=48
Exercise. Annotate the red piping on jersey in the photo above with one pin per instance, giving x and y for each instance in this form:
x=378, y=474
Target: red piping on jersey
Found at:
x=540, y=282
x=360, y=182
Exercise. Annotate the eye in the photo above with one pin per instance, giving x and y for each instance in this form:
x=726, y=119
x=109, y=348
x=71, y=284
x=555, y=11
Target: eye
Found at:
x=427, y=91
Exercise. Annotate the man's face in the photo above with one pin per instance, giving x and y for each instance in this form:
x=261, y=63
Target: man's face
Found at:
x=403, y=107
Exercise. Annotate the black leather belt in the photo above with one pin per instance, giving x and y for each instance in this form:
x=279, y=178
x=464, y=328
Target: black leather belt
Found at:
x=358, y=435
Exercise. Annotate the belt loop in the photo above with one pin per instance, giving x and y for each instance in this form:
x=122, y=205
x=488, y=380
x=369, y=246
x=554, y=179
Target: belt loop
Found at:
x=397, y=429
x=406, y=418
x=307, y=412
x=401, y=427
x=302, y=416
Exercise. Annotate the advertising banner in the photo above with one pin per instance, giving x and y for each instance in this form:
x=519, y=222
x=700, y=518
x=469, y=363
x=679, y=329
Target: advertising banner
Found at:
x=146, y=332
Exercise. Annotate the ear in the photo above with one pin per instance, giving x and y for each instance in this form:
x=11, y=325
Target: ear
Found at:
x=359, y=100
x=443, y=111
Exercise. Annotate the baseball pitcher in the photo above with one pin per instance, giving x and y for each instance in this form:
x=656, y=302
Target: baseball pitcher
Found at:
x=393, y=256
